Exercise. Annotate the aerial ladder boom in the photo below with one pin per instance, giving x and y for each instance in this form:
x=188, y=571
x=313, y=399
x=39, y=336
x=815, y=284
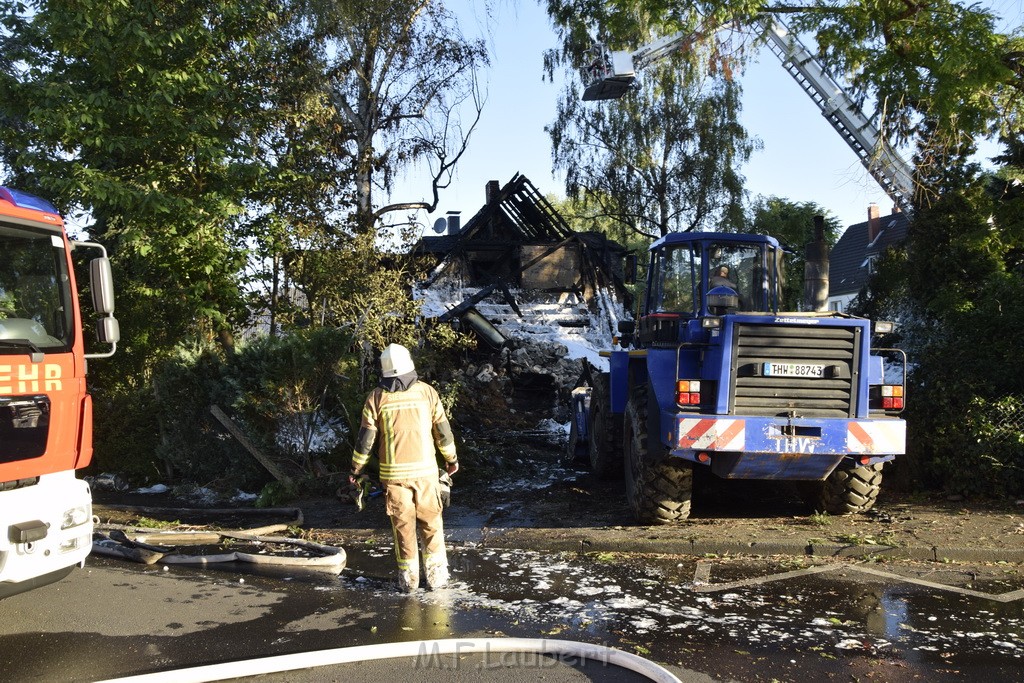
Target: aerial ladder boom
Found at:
x=611, y=75
x=884, y=164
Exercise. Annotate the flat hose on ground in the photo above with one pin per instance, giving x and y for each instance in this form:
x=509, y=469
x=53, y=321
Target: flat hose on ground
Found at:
x=415, y=648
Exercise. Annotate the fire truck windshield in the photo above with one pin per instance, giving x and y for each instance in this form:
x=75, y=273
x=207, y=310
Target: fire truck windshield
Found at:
x=35, y=294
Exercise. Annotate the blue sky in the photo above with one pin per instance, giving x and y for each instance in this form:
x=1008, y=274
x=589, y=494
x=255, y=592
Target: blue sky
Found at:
x=802, y=158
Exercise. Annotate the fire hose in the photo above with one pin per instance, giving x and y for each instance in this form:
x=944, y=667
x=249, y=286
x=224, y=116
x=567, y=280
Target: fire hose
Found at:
x=417, y=648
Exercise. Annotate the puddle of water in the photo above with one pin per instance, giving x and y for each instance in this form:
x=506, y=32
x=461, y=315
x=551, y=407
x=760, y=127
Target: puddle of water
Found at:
x=651, y=604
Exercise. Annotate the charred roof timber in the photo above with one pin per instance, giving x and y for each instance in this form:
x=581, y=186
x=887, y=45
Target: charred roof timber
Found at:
x=519, y=241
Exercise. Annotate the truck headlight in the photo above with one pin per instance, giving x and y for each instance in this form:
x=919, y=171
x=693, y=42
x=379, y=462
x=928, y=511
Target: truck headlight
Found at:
x=80, y=514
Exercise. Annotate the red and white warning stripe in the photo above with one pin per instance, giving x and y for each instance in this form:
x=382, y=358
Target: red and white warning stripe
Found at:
x=888, y=436
x=712, y=434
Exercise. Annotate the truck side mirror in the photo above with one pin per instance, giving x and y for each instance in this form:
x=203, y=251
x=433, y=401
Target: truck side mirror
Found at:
x=108, y=330
x=101, y=283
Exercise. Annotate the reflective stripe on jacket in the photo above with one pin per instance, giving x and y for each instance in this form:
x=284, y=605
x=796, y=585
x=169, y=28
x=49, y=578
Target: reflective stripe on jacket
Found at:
x=403, y=422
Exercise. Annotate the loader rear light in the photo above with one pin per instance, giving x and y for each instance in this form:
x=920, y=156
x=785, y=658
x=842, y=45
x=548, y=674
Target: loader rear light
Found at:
x=688, y=392
x=892, y=397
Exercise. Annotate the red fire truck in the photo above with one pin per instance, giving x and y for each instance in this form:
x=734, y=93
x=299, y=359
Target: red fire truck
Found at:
x=45, y=411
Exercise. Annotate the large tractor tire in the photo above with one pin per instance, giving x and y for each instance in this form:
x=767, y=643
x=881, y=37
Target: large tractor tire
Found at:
x=605, y=435
x=844, y=492
x=576, y=450
x=658, y=488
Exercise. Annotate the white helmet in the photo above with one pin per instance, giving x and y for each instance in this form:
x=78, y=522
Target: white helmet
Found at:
x=396, y=361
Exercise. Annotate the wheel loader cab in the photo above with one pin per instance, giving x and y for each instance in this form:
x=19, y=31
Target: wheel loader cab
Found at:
x=676, y=273
x=685, y=267
x=740, y=267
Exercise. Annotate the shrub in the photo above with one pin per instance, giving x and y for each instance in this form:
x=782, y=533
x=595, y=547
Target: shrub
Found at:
x=193, y=445
x=126, y=436
x=302, y=394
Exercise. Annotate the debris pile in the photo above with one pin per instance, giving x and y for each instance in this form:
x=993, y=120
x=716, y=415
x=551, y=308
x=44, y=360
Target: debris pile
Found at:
x=208, y=545
x=546, y=342
x=541, y=298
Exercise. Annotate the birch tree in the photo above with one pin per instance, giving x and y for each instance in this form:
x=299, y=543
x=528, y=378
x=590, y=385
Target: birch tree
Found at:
x=667, y=157
x=402, y=76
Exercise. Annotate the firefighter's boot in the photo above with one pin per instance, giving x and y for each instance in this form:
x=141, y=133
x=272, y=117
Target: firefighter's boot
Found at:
x=408, y=581
x=408, y=575
x=436, y=569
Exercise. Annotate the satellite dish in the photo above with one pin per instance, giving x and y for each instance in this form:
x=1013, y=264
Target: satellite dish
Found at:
x=441, y=226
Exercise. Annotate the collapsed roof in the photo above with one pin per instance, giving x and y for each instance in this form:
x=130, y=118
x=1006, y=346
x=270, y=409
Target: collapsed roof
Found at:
x=518, y=240
x=544, y=298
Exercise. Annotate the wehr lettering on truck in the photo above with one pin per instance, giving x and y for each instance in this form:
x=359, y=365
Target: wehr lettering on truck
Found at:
x=45, y=409
x=20, y=379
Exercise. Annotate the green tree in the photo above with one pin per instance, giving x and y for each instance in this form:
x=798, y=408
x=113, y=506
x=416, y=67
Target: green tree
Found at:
x=134, y=114
x=957, y=290
x=306, y=180
x=792, y=224
x=938, y=61
x=401, y=72
x=1007, y=188
x=665, y=158
x=203, y=142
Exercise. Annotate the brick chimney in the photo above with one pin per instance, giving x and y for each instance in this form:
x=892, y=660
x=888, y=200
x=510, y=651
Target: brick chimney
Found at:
x=491, y=191
x=874, y=222
x=454, y=222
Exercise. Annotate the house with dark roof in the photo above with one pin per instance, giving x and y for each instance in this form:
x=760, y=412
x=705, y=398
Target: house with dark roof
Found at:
x=854, y=256
x=517, y=239
x=518, y=262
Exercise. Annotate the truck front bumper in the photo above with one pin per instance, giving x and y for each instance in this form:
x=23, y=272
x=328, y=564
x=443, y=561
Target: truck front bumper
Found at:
x=45, y=529
x=784, y=448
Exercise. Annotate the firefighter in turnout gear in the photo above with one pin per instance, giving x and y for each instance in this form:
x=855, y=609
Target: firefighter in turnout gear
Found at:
x=406, y=419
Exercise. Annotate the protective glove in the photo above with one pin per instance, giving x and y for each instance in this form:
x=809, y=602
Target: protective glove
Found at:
x=444, y=485
x=359, y=489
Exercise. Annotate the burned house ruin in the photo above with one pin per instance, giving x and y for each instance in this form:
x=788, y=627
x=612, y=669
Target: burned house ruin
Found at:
x=541, y=297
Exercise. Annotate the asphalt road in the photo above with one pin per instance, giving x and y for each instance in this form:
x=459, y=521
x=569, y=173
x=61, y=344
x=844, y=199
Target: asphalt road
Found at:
x=113, y=619
x=750, y=589
x=704, y=619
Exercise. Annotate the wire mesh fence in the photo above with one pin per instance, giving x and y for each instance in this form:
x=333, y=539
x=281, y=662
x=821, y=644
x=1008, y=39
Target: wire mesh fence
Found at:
x=1007, y=422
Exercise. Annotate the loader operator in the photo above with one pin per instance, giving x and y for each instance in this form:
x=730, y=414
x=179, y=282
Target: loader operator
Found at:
x=720, y=278
x=406, y=419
